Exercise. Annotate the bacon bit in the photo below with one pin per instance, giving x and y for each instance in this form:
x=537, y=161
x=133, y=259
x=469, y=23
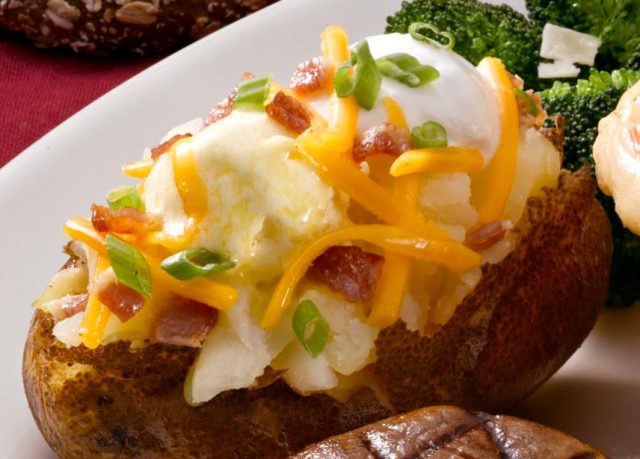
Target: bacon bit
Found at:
x=526, y=119
x=289, y=112
x=185, y=324
x=385, y=139
x=487, y=236
x=348, y=270
x=310, y=76
x=555, y=134
x=516, y=81
x=224, y=108
x=126, y=220
x=123, y=301
x=165, y=146
x=73, y=304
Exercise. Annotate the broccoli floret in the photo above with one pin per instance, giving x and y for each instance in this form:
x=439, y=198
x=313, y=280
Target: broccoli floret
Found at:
x=480, y=30
x=615, y=22
x=583, y=105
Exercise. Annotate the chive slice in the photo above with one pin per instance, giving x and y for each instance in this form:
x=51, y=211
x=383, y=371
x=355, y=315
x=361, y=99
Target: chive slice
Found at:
x=429, y=135
x=310, y=328
x=359, y=77
x=428, y=33
x=130, y=266
x=253, y=93
x=406, y=69
x=124, y=196
x=195, y=262
x=532, y=108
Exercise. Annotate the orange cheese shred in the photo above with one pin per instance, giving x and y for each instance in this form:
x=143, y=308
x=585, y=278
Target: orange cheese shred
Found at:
x=203, y=290
x=97, y=315
x=449, y=254
x=396, y=271
x=498, y=177
x=445, y=159
x=139, y=169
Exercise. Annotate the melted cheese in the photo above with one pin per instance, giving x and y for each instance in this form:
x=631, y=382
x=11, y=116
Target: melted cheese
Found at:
x=497, y=179
x=448, y=254
x=446, y=159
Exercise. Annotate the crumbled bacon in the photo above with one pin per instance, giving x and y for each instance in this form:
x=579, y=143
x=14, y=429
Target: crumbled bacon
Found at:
x=487, y=236
x=555, y=135
x=527, y=119
x=125, y=221
x=164, y=147
x=224, y=108
x=73, y=304
x=121, y=300
x=186, y=323
x=348, y=270
x=310, y=76
x=289, y=112
x=385, y=139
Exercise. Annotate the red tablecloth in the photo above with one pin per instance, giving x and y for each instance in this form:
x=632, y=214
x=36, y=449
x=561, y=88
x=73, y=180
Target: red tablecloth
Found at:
x=41, y=88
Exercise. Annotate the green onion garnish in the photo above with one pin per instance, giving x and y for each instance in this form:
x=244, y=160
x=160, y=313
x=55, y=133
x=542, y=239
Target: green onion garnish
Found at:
x=532, y=108
x=195, y=262
x=406, y=69
x=125, y=196
x=428, y=33
x=130, y=265
x=359, y=77
x=429, y=135
x=253, y=93
x=310, y=328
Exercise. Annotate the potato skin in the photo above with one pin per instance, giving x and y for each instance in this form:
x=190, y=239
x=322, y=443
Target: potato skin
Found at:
x=449, y=431
x=524, y=319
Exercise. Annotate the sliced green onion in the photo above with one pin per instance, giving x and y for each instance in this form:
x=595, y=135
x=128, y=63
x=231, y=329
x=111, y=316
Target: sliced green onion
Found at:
x=360, y=77
x=130, y=265
x=532, y=108
x=406, y=69
x=429, y=135
x=428, y=33
x=310, y=328
x=125, y=196
x=195, y=262
x=253, y=93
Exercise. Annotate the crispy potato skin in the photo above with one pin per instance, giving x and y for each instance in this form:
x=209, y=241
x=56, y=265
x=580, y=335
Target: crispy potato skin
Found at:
x=523, y=320
x=449, y=431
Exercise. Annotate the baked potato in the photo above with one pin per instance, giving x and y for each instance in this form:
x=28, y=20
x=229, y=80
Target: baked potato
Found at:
x=448, y=431
x=421, y=276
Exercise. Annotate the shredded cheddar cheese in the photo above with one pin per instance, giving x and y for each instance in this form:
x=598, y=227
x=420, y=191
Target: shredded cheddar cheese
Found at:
x=139, y=169
x=97, y=315
x=445, y=159
x=203, y=290
x=343, y=111
x=396, y=271
x=498, y=177
x=449, y=254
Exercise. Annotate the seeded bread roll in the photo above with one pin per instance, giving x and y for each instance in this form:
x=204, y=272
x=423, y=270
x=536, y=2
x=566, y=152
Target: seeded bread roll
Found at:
x=104, y=27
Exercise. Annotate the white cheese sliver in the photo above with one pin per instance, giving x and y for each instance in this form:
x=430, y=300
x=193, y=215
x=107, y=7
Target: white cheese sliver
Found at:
x=557, y=69
x=568, y=45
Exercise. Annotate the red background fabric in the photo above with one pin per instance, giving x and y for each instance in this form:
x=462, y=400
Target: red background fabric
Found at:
x=41, y=88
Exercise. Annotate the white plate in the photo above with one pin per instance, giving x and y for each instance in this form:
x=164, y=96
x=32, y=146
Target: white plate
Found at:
x=596, y=396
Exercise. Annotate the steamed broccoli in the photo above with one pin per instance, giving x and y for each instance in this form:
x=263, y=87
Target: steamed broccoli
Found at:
x=615, y=22
x=583, y=105
x=480, y=30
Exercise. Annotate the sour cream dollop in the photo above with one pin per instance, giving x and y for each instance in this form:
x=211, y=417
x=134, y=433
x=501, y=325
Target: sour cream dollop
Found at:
x=461, y=99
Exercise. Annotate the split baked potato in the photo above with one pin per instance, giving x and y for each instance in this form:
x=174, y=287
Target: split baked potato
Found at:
x=453, y=263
